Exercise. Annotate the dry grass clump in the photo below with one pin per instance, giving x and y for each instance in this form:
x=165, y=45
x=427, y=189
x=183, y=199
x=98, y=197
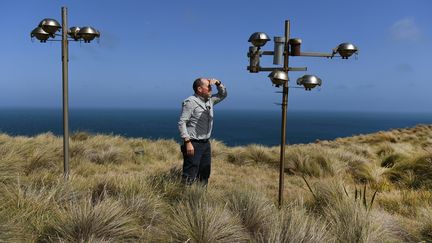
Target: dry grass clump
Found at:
x=10, y=228
x=385, y=149
x=295, y=224
x=357, y=166
x=351, y=218
x=218, y=149
x=415, y=173
x=236, y=156
x=83, y=221
x=155, y=150
x=43, y=159
x=252, y=155
x=203, y=222
x=392, y=159
x=310, y=160
x=148, y=208
x=28, y=208
x=167, y=184
x=405, y=202
x=259, y=154
x=103, y=189
x=425, y=229
x=378, y=137
x=79, y=136
x=103, y=149
x=9, y=169
x=254, y=210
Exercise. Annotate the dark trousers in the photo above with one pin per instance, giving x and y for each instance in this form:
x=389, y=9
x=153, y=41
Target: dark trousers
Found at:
x=198, y=166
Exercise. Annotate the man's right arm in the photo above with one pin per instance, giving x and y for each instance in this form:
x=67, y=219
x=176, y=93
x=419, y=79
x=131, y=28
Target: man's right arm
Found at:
x=185, y=116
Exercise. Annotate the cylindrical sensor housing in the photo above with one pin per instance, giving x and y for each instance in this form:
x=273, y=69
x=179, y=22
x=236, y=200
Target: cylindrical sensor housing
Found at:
x=254, y=59
x=295, y=46
x=279, y=46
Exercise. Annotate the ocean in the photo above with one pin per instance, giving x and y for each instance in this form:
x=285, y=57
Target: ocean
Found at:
x=232, y=127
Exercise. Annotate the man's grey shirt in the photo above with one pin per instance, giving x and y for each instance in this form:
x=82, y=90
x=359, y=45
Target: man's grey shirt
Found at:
x=196, y=119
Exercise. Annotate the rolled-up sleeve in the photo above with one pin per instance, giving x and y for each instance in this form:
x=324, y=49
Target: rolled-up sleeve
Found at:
x=187, y=109
x=222, y=94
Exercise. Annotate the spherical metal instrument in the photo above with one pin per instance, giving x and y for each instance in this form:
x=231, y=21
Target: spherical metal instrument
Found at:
x=259, y=39
x=309, y=81
x=51, y=26
x=278, y=77
x=88, y=34
x=346, y=50
x=40, y=34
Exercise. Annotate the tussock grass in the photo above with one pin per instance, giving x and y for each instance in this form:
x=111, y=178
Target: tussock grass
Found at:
x=415, y=174
x=204, y=223
x=28, y=208
x=405, y=202
x=350, y=218
x=350, y=222
x=10, y=228
x=310, y=161
x=9, y=169
x=254, y=210
x=167, y=184
x=102, y=149
x=195, y=194
x=79, y=136
x=295, y=224
x=149, y=209
x=252, y=155
x=219, y=149
x=129, y=190
x=357, y=166
x=392, y=159
x=385, y=149
x=83, y=221
x=104, y=189
x=426, y=224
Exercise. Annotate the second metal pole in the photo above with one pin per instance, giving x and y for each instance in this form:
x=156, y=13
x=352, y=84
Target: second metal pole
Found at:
x=65, y=60
x=284, y=112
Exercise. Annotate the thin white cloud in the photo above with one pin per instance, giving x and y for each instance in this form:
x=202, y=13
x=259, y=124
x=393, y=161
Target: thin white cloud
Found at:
x=405, y=30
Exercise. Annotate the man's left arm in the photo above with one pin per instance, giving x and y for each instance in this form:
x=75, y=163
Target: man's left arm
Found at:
x=221, y=94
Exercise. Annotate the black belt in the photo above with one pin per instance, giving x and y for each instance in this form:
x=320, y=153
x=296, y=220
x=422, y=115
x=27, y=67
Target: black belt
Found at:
x=199, y=140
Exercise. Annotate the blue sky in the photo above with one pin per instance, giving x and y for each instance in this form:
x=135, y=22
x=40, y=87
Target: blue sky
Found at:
x=151, y=51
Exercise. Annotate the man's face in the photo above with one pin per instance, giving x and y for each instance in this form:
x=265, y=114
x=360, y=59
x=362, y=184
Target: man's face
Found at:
x=205, y=89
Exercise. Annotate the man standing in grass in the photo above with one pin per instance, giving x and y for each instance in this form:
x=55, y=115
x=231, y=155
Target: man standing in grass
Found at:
x=195, y=125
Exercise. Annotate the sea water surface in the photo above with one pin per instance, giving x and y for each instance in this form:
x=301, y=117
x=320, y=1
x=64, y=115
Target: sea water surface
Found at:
x=233, y=127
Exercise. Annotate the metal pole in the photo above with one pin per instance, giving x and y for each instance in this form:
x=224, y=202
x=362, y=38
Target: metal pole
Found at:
x=284, y=112
x=65, y=59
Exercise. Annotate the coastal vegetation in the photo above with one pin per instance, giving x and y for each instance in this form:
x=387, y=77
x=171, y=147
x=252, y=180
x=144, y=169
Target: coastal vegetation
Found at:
x=366, y=188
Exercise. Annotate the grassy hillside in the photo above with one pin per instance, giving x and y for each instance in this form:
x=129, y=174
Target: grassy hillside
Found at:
x=367, y=188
